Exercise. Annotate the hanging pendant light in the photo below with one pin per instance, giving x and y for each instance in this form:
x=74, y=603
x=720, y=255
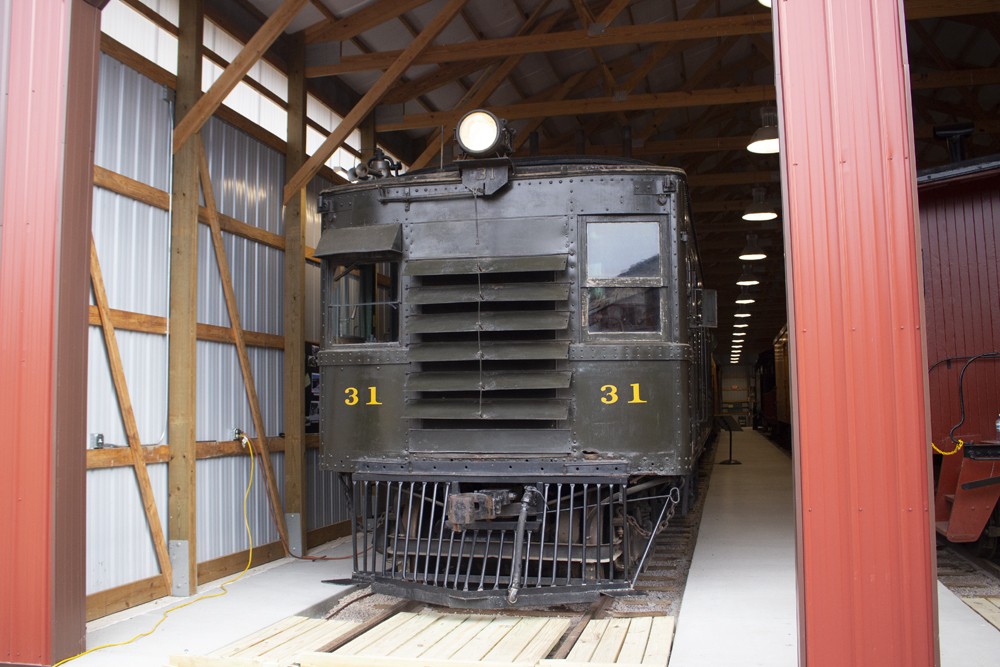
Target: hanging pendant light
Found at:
x=765, y=139
x=743, y=312
x=766, y=3
x=747, y=279
x=741, y=326
x=744, y=297
x=759, y=211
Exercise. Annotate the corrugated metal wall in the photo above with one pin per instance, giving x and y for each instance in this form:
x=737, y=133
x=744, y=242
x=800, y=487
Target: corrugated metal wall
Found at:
x=962, y=296
x=133, y=139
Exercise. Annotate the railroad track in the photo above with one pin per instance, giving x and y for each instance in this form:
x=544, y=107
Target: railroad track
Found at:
x=371, y=629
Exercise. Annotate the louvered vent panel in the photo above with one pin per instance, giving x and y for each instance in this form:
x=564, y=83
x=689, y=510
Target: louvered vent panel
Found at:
x=489, y=336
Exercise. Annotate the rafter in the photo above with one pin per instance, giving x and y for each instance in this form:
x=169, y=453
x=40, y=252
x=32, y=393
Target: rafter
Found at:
x=695, y=98
x=483, y=88
x=371, y=98
x=671, y=31
x=331, y=30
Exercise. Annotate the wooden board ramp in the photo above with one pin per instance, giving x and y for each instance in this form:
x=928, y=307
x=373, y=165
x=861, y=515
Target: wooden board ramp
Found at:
x=436, y=639
x=277, y=645
x=988, y=608
x=621, y=641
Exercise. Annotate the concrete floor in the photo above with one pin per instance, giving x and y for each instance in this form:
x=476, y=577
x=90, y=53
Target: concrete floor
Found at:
x=263, y=596
x=739, y=606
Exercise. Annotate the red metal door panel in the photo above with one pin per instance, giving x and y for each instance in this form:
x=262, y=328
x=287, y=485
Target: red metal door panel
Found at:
x=866, y=593
x=47, y=189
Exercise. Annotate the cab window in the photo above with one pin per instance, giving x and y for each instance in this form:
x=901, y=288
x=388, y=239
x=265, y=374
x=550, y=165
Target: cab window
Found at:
x=624, y=277
x=364, y=304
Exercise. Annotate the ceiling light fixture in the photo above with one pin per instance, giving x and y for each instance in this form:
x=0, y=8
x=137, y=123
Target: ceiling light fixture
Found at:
x=765, y=139
x=766, y=3
x=758, y=211
x=743, y=312
x=739, y=333
x=744, y=297
x=747, y=278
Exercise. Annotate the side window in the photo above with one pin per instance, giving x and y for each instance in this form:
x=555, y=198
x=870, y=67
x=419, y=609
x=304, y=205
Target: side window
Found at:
x=624, y=277
x=363, y=304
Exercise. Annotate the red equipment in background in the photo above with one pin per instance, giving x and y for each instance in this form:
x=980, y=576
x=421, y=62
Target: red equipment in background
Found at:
x=959, y=214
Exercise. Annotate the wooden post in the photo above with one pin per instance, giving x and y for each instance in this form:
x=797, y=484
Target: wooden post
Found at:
x=295, y=278
x=181, y=526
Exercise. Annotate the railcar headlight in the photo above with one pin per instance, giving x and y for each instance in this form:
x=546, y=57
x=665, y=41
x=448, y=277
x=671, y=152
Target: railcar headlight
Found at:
x=480, y=133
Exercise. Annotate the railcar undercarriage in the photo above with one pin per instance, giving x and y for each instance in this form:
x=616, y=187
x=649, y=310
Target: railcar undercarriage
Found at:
x=484, y=544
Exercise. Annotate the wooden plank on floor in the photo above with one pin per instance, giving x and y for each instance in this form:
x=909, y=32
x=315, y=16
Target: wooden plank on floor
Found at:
x=995, y=601
x=986, y=609
x=376, y=633
x=661, y=637
x=209, y=661
x=338, y=660
x=437, y=631
x=260, y=635
x=278, y=639
x=544, y=641
x=458, y=638
x=634, y=646
x=306, y=641
x=515, y=641
x=588, y=641
x=363, y=628
x=403, y=633
x=489, y=637
x=611, y=643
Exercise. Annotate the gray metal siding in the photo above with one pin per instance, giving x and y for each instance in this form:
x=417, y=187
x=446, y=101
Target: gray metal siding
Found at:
x=119, y=547
x=133, y=139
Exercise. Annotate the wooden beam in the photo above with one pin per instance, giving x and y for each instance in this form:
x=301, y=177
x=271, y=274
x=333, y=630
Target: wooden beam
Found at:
x=733, y=178
x=119, y=598
x=128, y=419
x=955, y=78
x=928, y=9
x=443, y=75
x=237, y=328
x=487, y=83
x=695, y=98
x=147, y=194
x=115, y=457
x=247, y=58
x=182, y=343
x=670, y=31
x=294, y=297
x=724, y=206
x=360, y=21
x=367, y=103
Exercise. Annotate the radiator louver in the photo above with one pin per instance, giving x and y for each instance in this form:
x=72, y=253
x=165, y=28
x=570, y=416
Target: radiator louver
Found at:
x=489, y=341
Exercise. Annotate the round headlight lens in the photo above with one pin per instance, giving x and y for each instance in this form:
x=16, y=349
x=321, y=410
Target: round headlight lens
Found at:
x=478, y=132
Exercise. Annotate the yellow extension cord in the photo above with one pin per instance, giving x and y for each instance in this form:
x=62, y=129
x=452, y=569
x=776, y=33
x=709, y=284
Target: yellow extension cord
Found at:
x=246, y=523
x=954, y=451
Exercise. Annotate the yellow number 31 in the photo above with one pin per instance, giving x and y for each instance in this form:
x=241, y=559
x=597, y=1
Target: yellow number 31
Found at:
x=352, y=396
x=611, y=394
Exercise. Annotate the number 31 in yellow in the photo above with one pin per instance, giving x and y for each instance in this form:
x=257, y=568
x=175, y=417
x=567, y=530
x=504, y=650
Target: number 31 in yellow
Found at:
x=611, y=394
x=352, y=396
